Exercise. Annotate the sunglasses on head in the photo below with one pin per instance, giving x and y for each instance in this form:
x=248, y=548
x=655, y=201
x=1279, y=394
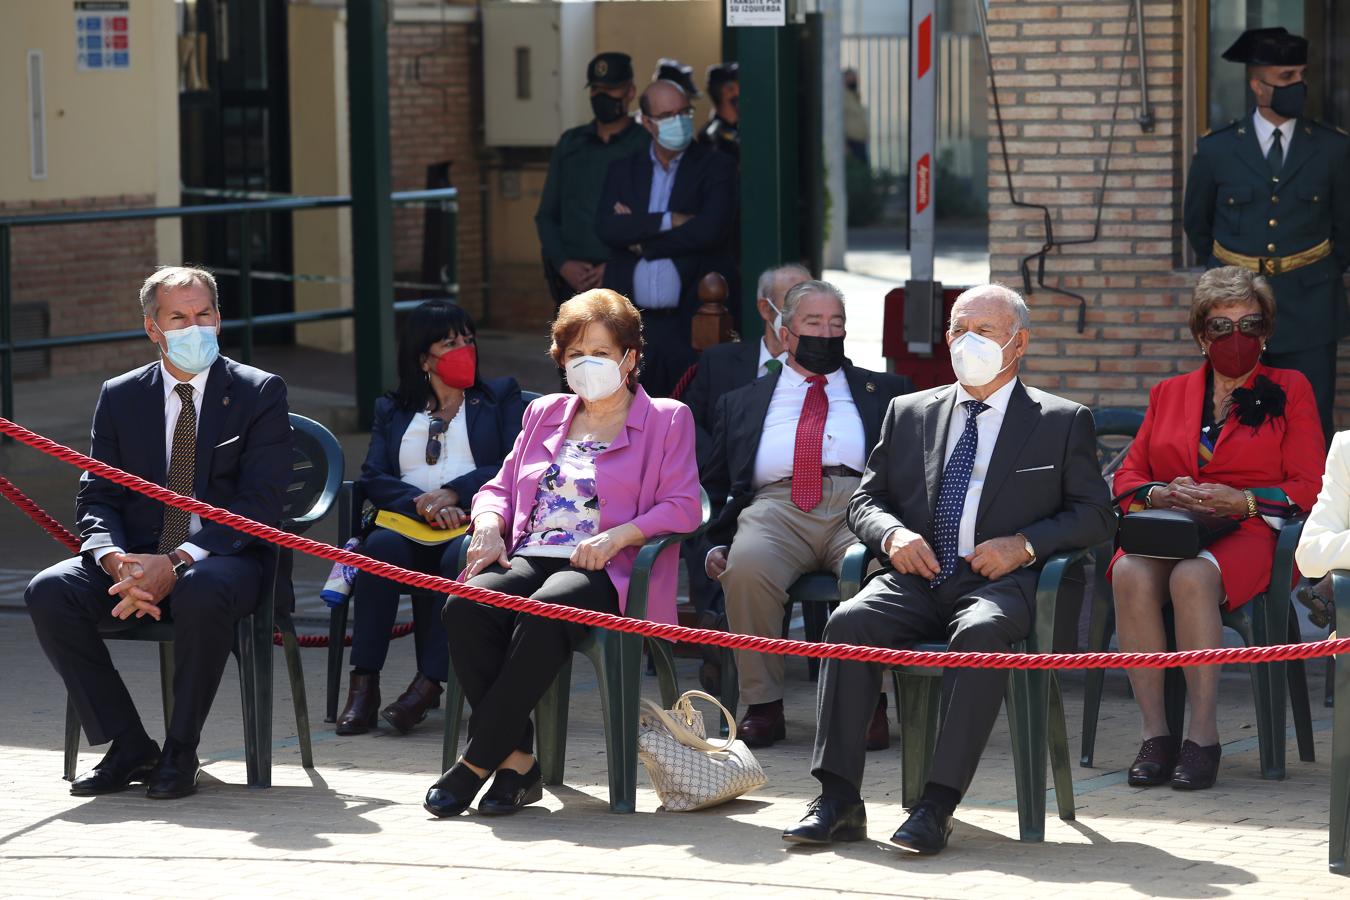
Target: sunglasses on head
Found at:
x=1253, y=325
x=438, y=426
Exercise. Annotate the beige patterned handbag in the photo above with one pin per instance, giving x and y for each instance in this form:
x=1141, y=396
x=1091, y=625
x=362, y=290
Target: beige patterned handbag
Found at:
x=688, y=771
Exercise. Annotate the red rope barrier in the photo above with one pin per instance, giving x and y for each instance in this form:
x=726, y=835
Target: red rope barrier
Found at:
x=63, y=535
x=678, y=391
x=781, y=646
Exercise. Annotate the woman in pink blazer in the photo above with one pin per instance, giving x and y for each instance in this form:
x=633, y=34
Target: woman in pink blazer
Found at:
x=591, y=478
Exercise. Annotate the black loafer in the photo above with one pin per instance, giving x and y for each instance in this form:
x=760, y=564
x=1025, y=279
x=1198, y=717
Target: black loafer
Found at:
x=925, y=831
x=453, y=792
x=116, y=771
x=1197, y=767
x=829, y=819
x=1154, y=764
x=511, y=790
x=176, y=774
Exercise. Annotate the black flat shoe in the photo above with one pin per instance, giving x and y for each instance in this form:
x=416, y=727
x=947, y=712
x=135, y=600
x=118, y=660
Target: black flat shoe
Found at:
x=511, y=790
x=453, y=792
x=176, y=774
x=1197, y=767
x=116, y=771
x=829, y=819
x=1155, y=762
x=925, y=831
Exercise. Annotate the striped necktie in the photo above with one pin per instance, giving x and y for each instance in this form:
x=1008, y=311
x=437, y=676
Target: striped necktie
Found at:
x=182, y=467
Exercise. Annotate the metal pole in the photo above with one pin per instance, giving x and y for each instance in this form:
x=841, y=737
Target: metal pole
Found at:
x=923, y=296
x=450, y=277
x=372, y=219
x=246, y=288
x=6, y=336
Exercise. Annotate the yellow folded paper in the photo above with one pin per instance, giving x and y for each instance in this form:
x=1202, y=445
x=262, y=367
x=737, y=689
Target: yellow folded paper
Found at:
x=416, y=529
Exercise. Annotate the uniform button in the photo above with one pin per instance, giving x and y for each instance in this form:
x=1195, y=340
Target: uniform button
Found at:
x=1272, y=223
x=1316, y=198
x=1274, y=179
x=1270, y=248
x=1230, y=201
x=1274, y=199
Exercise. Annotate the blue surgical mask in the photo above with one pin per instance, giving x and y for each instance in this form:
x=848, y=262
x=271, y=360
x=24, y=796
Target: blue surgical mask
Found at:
x=192, y=349
x=675, y=133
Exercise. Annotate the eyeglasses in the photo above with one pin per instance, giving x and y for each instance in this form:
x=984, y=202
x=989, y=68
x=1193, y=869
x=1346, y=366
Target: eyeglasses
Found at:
x=1254, y=325
x=665, y=117
x=438, y=426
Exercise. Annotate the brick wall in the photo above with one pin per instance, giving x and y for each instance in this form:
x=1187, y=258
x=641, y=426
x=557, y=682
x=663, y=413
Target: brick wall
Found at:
x=88, y=275
x=1057, y=66
x=431, y=111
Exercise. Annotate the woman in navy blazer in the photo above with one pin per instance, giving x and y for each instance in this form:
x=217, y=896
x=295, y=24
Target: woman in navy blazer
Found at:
x=436, y=439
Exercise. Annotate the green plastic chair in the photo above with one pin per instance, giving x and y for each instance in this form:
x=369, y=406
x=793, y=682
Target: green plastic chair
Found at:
x=617, y=658
x=1034, y=702
x=818, y=594
x=1338, y=845
x=1270, y=618
x=253, y=649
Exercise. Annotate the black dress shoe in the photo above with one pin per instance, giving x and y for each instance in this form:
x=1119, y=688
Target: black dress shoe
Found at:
x=1197, y=767
x=511, y=790
x=453, y=792
x=117, y=770
x=176, y=774
x=829, y=819
x=925, y=831
x=1154, y=764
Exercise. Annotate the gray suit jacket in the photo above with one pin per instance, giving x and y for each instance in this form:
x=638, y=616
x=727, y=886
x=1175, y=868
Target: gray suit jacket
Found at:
x=1043, y=478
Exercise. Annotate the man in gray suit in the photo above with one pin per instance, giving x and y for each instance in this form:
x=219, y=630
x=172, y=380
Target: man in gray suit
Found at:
x=970, y=488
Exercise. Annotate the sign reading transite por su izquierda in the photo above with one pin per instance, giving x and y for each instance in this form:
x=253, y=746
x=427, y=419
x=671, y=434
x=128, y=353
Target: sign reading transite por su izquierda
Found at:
x=752, y=13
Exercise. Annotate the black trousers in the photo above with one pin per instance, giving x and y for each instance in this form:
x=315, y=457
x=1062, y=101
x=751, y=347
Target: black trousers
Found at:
x=668, y=353
x=72, y=610
x=705, y=593
x=376, y=603
x=1318, y=365
x=506, y=660
x=896, y=610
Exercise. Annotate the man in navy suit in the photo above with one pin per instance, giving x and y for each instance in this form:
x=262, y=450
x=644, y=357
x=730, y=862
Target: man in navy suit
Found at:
x=202, y=425
x=667, y=211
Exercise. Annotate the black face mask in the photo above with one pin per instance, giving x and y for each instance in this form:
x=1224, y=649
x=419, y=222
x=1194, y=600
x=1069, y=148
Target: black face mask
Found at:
x=821, y=355
x=1288, y=100
x=608, y=109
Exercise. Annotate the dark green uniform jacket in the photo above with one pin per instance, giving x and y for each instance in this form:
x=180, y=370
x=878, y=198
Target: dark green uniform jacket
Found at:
x=1232, y=199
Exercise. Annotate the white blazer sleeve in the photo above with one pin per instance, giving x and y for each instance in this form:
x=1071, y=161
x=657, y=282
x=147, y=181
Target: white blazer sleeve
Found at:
x=1325, y=544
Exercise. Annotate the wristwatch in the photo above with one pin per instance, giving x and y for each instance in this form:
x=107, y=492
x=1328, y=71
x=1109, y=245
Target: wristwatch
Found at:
x=180, y=561
x=1031, y=551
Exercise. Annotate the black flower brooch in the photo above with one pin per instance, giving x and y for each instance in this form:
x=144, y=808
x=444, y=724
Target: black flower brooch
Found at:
x=1262, y=401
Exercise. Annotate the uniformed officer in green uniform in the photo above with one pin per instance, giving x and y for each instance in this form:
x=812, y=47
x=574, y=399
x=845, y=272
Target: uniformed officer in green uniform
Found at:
x=724, y=91
x=1271, y=192
x=574, y=258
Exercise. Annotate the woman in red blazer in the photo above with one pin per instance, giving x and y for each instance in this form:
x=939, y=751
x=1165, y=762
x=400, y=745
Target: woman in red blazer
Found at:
x=1234, y=438
x=591, y=478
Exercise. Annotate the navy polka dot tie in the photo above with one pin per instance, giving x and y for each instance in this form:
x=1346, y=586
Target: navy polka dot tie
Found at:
x=952, y=493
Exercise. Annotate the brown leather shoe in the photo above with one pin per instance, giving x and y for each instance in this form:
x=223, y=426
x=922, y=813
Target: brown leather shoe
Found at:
x=363, y=704
x=762, y=724
x=1197, y=767
x=1153, y=766
x=409, y=709
x=879, y=732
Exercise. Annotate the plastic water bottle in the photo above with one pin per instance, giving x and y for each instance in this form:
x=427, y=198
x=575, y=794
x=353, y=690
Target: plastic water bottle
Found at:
x=337, y=590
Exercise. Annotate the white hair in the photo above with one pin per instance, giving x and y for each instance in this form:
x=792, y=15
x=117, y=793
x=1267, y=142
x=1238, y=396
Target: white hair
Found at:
x=1013, y=300
x=769, y=277
x=808, y=289
x=175, y=277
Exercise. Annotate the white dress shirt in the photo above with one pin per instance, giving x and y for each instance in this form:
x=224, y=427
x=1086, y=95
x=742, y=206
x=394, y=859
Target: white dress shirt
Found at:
x=844, y=444
x=1265, y=133
x=765, y=356
x=172, y=406
x=987, y=428
x=456, y=457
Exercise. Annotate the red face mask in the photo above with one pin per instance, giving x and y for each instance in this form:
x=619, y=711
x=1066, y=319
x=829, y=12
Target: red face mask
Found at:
x=457, y=367
x=1236, y=354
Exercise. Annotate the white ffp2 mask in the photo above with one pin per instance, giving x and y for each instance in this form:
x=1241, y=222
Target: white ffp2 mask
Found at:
x=593, y=377
x=976, y=359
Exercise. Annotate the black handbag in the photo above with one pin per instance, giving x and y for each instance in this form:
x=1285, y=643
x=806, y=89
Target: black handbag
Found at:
x=1170, y=533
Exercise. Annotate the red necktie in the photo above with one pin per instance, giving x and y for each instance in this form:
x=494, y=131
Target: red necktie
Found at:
x=810, y=440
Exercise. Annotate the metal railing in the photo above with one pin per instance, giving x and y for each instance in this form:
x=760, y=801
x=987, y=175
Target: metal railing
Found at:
x=445, y=198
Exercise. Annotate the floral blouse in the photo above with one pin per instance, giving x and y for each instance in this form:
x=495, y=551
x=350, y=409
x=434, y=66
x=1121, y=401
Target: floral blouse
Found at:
x=566, y=508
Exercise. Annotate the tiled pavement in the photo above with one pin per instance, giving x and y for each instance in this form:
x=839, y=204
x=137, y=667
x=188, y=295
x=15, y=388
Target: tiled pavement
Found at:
x=354, y=827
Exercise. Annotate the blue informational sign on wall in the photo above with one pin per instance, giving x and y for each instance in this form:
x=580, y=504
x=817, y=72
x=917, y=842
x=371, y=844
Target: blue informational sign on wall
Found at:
x=102, y=35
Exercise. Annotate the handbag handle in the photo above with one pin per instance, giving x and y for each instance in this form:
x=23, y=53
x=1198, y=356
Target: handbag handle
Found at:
x=682, y=732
